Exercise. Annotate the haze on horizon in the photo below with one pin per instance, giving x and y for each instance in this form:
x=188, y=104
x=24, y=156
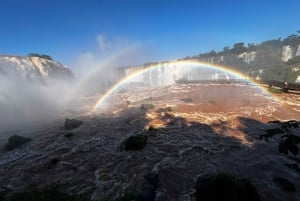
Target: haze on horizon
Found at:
x=82, y=33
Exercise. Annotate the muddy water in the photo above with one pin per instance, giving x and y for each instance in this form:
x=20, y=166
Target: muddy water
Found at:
x=217, y=130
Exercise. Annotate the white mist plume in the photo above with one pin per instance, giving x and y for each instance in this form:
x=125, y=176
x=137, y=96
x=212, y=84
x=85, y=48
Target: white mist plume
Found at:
x=96, y=70
x=24, y=103
x=118, y=52
x=104, y=45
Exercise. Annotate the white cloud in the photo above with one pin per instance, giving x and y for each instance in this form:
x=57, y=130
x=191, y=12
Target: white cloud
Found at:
x=95, y=68
x=117, y=51
x=103, y=43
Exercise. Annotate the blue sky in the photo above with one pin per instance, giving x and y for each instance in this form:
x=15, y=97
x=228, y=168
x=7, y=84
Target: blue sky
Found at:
x=66, y=29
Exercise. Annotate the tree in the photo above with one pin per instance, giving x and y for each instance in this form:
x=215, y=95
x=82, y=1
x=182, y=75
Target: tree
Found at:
x=44, y=56
x=251, y=47
x=238, y=48
x=34, y=55
x=226, y=49
x=212, y=53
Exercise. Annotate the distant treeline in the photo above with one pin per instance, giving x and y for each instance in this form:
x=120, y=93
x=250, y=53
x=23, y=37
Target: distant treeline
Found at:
x=44, y=56
x=240, y=47
x=268, y=62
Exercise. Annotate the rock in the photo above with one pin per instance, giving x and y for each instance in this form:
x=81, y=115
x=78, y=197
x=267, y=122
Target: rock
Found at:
x=49, y=193
x=53, y=162
x=146, y=195
x=171, y=181
x=147, y=106
x=284, y=184
x=225, y=187
x=72, y=123
x=289, y=144
x=135, y=142
x=68, y=135
x=16, y=141
x=148, y=190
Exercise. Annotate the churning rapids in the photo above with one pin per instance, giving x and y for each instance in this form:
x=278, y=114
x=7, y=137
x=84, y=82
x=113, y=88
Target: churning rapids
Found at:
x=195, y=130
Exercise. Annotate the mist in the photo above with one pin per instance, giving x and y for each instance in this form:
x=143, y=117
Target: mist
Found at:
x=25, y=103
x=95, y=70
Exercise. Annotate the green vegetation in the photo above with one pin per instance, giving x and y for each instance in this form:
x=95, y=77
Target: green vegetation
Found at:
x=274, y=90
x=51, y=193
x=224, y=186
x=170, y=109
x=16, y=141
x=135, y=142
x=152, y=128
x=212, y=102
x=271, y=133
x=289, y=142
x=280, y=72
x=43, y=56
x=147, y=106
x=267, y=58
x=186, y=100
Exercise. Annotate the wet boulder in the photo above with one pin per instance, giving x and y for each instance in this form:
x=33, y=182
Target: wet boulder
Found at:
x=223, y=186
x=147, y=192
x=72, y=123
x=134, y=142
x=16, y=141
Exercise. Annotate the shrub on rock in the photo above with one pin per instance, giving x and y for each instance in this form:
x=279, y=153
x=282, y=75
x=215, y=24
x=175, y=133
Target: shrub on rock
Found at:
x=147, y=106
x=170, y=109
x=16, y=141
x=223, y=186
x=135, y=142
x=72, y=123
x=187, y=100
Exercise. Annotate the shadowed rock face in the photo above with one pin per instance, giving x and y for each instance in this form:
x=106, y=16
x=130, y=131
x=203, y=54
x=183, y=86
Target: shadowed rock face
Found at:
x=217, y=131
x=225, y=187
x=16, y=141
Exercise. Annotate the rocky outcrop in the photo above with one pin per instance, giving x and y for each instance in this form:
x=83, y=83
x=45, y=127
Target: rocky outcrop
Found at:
x=34, y=68
x=72, y=123
x=16, y=141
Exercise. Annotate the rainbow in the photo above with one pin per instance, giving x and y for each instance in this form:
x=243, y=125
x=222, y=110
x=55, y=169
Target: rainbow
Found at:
x=228, y=70
x=93, y=74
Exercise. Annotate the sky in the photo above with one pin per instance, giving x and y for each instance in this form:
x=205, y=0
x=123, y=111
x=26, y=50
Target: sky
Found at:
x=70, y=30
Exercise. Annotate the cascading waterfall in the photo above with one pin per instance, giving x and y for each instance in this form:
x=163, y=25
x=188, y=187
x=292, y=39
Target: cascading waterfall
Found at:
x=167, y=74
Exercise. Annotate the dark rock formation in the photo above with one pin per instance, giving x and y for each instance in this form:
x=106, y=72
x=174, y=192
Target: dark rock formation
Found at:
x=147, y=192
x=284, y=184
x=135, y=142
x=223, y=186
x=72, y=123
x=16, y=141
